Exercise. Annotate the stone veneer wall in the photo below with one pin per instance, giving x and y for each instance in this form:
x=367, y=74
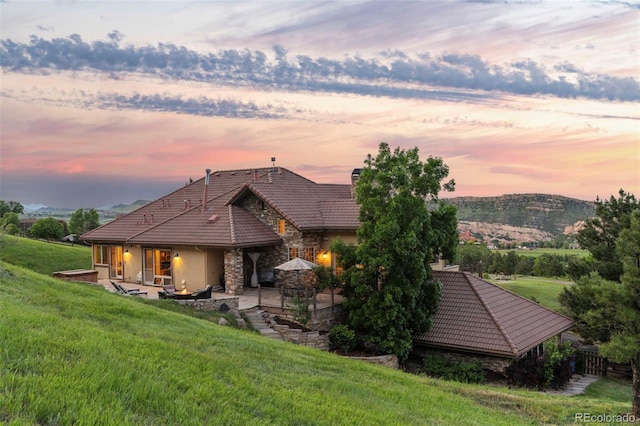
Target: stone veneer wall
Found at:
x=491, y=363
x=276, y=255
x=233, y=271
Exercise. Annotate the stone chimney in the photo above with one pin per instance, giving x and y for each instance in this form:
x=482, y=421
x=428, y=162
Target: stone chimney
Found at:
x=355, y=175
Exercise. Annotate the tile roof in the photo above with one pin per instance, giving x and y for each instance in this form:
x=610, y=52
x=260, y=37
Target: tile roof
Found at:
x=177, y=218
x=477, y=316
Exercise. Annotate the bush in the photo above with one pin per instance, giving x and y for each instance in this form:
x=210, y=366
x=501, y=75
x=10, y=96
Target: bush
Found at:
x=527, y=372
x=551, y=370
x=301, y=312
x=465, y=372
x=342, y=337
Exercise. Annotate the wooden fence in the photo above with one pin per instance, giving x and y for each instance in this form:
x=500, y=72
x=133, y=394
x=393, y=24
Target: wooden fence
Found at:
x=594, y=364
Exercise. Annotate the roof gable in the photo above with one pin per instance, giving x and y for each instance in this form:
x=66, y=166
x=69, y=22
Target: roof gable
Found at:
x=478, y=316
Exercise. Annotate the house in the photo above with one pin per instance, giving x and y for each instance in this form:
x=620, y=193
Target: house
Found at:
x=208, y=232
x=479, y=321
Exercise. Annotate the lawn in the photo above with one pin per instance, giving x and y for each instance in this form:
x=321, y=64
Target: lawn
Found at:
x=541, y=251
x=73, y=353
x=542, y=290
x=44, y=257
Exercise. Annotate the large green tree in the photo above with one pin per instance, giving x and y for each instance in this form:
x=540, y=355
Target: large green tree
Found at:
x=601, y=232
x=82, y=221
x=10, y=222
x=608, y=311
x=10, y=207
x=389, y=288
x=48, y=229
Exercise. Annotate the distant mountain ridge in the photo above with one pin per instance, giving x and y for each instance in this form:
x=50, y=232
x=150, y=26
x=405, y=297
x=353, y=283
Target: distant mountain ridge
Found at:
x=551, y=214
x=126, y=208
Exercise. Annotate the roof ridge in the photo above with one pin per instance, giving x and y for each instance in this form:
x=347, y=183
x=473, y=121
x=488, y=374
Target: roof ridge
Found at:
x=506, y=337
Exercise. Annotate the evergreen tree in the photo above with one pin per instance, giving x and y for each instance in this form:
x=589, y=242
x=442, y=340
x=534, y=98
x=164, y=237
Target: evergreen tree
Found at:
x=601, y=232
x=608, y=311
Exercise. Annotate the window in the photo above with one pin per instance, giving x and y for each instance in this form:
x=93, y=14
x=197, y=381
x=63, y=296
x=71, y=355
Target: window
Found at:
x=310, y=254
x=100, y=255
x=294, y=252
x=281, y=226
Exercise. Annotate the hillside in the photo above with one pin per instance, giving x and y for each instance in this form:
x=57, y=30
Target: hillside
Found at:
x=76, y=354
x=548, y=214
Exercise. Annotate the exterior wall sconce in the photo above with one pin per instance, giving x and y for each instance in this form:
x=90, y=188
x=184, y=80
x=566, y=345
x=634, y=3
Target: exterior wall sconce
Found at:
x=177, y=255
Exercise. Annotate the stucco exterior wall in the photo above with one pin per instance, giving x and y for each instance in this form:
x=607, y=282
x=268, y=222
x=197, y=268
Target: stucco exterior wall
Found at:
x=103, y=271
x=132, y=263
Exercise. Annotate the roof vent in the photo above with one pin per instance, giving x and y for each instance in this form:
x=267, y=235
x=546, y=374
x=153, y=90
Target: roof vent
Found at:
x=213, y=218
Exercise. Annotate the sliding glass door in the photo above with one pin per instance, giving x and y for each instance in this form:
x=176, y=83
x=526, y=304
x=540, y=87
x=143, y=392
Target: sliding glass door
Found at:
x=157, y=267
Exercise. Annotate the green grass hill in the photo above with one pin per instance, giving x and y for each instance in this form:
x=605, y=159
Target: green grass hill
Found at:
x=73, y=353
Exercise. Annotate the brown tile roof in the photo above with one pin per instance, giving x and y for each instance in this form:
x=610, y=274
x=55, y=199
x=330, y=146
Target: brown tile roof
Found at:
x=176, y=219
x=477, y=316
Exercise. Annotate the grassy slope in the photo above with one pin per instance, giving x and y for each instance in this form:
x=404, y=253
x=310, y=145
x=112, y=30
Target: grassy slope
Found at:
x=44, y=257
x=75, y=353
x=543, y=290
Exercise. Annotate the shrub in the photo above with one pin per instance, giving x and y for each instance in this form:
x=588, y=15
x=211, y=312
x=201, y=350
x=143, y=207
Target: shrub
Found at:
x=301, y=312
x=463, y=371
x=342, y=337
x=551, y=370
x=527, y=372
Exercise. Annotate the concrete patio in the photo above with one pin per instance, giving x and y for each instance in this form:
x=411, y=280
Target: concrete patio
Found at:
x=252, y=298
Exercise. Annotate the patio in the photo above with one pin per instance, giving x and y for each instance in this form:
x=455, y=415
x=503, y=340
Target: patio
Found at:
x=267, y=298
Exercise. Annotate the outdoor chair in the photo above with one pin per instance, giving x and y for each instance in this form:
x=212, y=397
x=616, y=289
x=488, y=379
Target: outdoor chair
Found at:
x=167, y=292
x=204, y=293
x=128, y=292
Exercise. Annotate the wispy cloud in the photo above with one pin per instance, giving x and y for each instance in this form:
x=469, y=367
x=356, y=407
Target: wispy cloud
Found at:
x=396, y=75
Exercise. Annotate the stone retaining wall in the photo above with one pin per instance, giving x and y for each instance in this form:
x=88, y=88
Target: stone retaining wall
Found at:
x=390, y=361
x=312, y=339
x=212, y=304
x=322, y=320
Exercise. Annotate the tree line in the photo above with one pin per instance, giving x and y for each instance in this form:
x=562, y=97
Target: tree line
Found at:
x=475, y=258
x=47, y=228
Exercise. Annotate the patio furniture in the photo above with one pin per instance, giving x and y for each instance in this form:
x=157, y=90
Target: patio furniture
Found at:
x=167, y=291
x=128, y=292
x=204, y=293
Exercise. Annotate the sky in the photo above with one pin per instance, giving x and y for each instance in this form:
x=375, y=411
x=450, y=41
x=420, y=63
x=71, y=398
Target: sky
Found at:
x=108, y=102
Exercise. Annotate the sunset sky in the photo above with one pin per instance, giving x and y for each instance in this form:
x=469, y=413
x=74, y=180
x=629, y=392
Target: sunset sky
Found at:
x=106, y=102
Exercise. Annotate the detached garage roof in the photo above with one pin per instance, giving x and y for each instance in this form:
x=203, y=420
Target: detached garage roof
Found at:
x=477, y=316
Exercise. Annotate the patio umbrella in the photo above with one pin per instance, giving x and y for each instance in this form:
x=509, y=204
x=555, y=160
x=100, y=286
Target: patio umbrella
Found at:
x=297, y=264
